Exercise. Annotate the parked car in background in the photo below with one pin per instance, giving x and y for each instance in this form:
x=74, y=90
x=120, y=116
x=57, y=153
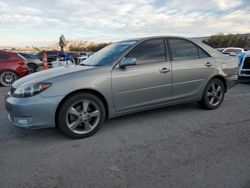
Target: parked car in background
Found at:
x=34, y=64
x=244, y=65
x=25, y=55
x=81, y=59
x=36, y=60
x=52, y=55
x=232, y=51
x=12, y=67
x=122, y=78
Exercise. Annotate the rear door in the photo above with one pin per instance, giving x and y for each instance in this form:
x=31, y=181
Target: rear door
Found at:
x=191, y=67
x=146, y=83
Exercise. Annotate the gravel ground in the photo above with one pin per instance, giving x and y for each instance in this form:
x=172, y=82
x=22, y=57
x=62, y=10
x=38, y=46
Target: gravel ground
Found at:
x=180, y=146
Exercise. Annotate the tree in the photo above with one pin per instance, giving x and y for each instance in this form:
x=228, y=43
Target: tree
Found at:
x=62, y=42
x=231, y=40
x=92, y=47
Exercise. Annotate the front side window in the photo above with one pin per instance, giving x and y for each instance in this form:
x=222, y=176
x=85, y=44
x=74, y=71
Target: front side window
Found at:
x=183, y=49
x=151, y=51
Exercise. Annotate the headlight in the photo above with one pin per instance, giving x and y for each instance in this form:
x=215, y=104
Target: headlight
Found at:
x=30, y=90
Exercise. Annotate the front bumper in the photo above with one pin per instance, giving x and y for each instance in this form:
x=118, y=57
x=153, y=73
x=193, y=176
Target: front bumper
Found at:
x=33, y=112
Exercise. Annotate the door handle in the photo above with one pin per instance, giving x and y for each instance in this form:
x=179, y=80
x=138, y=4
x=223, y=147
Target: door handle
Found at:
x=208, y=64
x=164, y=70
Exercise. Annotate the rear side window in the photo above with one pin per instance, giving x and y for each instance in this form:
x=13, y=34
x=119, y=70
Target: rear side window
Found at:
x=3, y=57
x=150, y=51
x=183, y=49
x=202, y=53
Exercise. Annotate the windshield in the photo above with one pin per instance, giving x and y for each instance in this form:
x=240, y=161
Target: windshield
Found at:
x=108, y=54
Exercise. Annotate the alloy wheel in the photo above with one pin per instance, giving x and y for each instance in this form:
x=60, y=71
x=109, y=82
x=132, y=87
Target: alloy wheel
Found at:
x=215, y=93
x=83, y=116
x=8, y=78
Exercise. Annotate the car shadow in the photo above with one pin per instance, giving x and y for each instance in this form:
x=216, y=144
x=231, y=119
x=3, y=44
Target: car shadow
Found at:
x=148, y=115
x=55, y=135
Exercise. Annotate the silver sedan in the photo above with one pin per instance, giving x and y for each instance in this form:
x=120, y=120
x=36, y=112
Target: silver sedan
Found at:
x=122, y=78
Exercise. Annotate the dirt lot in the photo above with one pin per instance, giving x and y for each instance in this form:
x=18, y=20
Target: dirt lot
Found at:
x=180, y=146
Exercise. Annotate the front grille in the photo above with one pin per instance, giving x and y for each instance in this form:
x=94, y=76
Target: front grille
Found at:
x=246, y=64
x=245, y=72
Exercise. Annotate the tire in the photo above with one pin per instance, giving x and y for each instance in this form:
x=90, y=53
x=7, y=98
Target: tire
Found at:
x=7, y=78
x=33, y=67
x=215, y=89
x=81, y=115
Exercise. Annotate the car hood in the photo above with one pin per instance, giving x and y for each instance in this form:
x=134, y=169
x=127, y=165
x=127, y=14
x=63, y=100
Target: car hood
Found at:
x=46, y=75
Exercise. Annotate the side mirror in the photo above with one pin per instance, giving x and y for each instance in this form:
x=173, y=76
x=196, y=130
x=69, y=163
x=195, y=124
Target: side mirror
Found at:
x=127, y=62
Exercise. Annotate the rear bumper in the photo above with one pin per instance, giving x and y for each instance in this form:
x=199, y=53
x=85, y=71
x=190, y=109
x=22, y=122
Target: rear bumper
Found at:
x=231, y=81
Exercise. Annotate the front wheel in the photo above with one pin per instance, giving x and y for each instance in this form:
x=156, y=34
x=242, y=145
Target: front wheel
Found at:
x=7, y=78
x=213, y=94
x=81, y=115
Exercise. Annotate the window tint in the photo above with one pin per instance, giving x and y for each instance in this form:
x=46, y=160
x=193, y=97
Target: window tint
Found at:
x=108, y=54
x=149, y=51
x=38, y=55
x=183, y=49
x=3, y=57
x=202, y=53
x=233, y=50
x=51, y=53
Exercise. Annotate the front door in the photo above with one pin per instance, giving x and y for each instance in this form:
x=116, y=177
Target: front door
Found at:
x=146, y=83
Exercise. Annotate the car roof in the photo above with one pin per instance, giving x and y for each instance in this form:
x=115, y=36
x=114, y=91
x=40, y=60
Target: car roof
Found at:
x=6, y=52
x=151, y=37
x=235, y=48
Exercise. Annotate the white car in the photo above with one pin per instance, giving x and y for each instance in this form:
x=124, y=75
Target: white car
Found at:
x=244, y=65
x=81, y=59
x=232, y=50
x=56, y=64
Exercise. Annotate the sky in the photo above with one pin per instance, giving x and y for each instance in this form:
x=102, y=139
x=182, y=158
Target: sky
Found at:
x=39, y=23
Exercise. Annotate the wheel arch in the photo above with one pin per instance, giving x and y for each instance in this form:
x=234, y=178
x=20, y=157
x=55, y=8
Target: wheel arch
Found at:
x=222, y=79
x=32, y=63
x=9, y=70
x=91, y=91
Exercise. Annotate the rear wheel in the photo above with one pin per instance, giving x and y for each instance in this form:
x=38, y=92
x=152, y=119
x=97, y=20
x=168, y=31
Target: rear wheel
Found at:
x=213, y=94
x=81, y=115
x=7, y=78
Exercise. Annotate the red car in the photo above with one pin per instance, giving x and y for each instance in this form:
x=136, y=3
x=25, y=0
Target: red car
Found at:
x=12, y=67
